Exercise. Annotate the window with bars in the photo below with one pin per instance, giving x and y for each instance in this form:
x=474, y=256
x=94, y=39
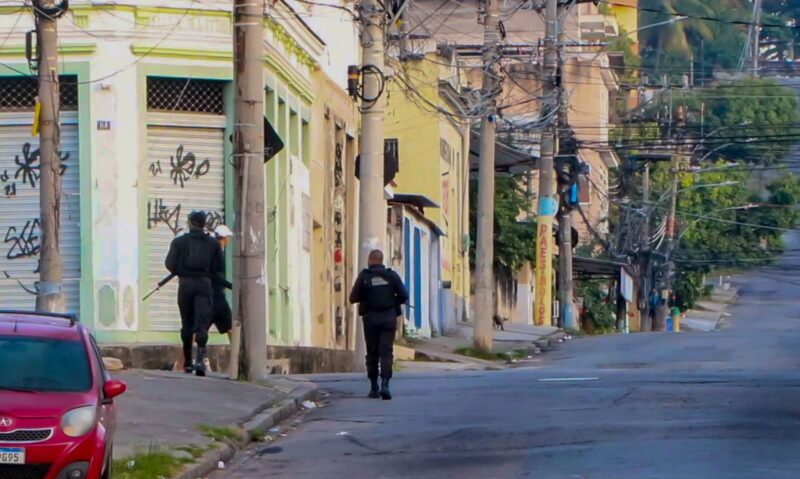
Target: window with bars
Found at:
x=186, y=95
x=18, y=93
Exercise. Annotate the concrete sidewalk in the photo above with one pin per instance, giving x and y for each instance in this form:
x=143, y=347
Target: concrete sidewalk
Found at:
x=533, y=339
x=711, y=313
x=169, y=410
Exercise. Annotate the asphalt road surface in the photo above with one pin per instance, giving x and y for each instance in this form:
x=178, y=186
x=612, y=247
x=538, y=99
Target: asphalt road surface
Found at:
x=723, y=404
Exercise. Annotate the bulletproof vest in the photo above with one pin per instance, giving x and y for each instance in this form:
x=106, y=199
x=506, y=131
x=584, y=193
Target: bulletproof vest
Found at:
x=197, y=257
x=379, y=294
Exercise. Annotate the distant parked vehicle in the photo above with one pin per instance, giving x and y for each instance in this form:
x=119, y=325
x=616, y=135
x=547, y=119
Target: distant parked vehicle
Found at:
x=57, y=413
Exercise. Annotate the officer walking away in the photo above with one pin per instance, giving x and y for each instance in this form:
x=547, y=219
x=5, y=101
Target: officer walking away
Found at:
x=195, y=258
x=380, y=293
x=221, y=316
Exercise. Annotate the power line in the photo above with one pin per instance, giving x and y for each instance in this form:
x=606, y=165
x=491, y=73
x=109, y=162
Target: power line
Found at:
x=705, y=18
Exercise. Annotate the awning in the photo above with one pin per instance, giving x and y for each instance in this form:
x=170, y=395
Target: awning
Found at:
x=507, y=159
x=420, y=201
x=593, y=268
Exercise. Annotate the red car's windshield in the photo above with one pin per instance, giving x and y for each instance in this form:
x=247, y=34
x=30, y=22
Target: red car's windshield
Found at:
x=43, y=365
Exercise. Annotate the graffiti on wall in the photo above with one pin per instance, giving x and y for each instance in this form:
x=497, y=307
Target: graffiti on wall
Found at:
x=24, y=241
x=184, y=168
x=26, y=170
x=22, y=237
x=338, y=239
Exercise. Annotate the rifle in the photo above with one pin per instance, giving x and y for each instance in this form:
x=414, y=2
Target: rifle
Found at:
x=161, y=284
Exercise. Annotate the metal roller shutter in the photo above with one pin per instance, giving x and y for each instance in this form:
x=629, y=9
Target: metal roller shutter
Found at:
x=19, y=203
x=185, y=171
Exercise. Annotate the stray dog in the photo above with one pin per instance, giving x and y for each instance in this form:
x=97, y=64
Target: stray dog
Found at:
x=498, y=322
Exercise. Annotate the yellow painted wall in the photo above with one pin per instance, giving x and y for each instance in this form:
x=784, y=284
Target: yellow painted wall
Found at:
x=434, y=156
x=417, y=131
x=626, y=12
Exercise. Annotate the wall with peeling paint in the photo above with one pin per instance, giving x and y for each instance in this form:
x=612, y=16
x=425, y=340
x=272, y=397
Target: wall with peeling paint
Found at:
x=188, y=40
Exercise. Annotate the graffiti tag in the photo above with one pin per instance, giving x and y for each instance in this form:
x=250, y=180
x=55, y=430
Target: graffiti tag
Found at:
x=158, y=213
x=186, y=167
x=28, y=170
x=25, y=242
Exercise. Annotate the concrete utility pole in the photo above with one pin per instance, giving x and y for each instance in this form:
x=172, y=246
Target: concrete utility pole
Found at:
x=644, y=258
x=484, y=254
x=565, y=281
x=547, y=202
x=249, y=272
x=663, y=309
x=371, y=202
x=51, y=267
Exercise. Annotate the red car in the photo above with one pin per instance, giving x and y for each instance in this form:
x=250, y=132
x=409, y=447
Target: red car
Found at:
x=56, y=399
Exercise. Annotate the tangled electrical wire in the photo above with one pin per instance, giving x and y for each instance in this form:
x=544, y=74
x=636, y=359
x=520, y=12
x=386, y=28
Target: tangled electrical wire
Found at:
x=363, y=72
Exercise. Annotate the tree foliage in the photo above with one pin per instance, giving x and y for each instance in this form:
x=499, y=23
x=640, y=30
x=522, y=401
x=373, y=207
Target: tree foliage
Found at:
x=759, y=118
x=599, y=309
x=785, y=13
x=670, y=49
x=756, y=121
x=514, y=240
x=729, y=226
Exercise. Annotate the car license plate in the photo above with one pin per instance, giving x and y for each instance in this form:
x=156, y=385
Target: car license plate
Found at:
x=12, y=455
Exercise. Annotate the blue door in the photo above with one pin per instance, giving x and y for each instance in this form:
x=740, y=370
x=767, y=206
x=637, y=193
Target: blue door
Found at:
x=407, y=263
x=417, y=283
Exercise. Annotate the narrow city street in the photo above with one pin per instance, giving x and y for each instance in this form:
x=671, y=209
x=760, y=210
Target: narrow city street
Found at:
x=693, y=405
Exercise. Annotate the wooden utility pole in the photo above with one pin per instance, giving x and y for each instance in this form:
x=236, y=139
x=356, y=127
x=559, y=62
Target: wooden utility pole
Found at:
x=51, y=268
x=484, y=254
x=249, y=271
x=548, y=205
x=372, y=204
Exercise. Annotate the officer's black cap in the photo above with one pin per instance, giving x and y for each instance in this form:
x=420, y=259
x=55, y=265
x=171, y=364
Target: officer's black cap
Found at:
x=198, y=218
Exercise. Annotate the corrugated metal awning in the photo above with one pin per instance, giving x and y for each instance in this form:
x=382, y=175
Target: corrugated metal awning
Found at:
x=507, y=159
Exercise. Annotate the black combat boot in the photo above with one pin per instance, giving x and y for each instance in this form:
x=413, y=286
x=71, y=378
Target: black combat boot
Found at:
x=188, y=367
x=200, y=363
x=385, y=393
x=374, y=390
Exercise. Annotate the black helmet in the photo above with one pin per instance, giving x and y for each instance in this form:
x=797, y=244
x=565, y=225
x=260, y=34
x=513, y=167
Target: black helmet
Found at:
x=198, y=218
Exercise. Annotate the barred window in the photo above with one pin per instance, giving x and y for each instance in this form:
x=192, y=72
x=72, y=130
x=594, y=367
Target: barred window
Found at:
x=18, y=93
x=185, y=95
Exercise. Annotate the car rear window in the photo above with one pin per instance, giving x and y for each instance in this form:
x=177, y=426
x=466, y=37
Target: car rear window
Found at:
x=46, y=365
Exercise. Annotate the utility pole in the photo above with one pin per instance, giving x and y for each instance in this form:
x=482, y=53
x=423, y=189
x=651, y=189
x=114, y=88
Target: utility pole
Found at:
x=663, y=309
x=644, y=256
x=756, y=36
x=250, y=281
x=548, y=205
x=51, y=268
x=484, y=268
x=565, y=280
x=371, y=201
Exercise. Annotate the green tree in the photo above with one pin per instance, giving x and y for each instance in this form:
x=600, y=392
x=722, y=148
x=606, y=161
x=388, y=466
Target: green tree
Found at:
x=514, y=240
x=785, y=15
x=759, y=120
x=755, y=121
x=671, y=48
x=729, y=227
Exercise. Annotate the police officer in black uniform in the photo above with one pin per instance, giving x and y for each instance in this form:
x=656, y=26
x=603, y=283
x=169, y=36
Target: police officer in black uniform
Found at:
x=196, y=258
x=380, y=293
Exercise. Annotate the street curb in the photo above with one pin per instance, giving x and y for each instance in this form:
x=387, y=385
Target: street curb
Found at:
x=257, y=425
x=537, y=346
